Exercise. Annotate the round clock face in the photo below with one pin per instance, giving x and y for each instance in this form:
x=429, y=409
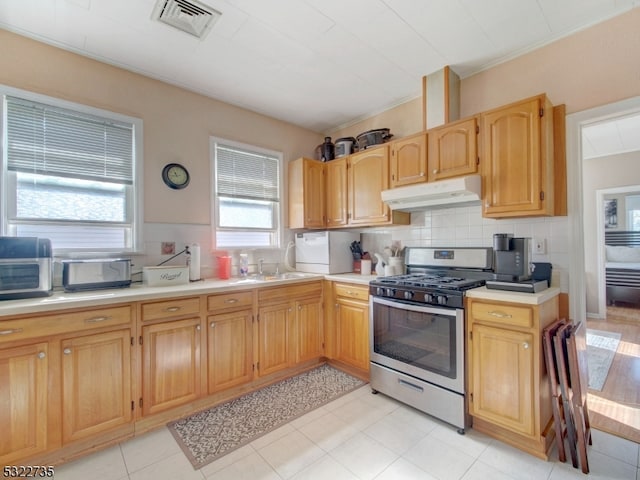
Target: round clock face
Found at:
x=175, y=176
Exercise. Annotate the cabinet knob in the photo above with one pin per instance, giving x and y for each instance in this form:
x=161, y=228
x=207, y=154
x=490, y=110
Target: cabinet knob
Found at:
x=41, y=355
x=299, y=307
x=67, y=351
x=172, y=309
x=435, y=170
x=497, y=313
x=197, y=328
x=231, y=300
x=525, y=345
x=212, y=324
x=422, y=174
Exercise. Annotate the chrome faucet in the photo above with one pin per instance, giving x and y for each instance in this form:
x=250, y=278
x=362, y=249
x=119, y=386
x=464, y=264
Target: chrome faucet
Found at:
x=260, y=262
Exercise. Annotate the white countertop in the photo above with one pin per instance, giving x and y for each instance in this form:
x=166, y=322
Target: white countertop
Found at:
x=514, y=297
x=136, y=292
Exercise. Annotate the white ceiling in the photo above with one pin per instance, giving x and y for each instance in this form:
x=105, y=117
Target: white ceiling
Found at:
x=611, y=137
x=319, y=64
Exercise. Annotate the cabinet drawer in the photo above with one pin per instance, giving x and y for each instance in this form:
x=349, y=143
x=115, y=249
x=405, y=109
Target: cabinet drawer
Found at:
x=229, y=300
x=178, y=307
x=48, y=325
x=358, y=292
x=287, y=293
x=502, y=314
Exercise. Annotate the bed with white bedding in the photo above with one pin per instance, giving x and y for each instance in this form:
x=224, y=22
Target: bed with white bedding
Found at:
x=622, y=267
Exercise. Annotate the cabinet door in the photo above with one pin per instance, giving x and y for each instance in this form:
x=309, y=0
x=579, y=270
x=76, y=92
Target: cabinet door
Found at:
x=409, y=160
x=309, y=340
x=314, y=191
x=229, y=343
x=368, y=176
x=24, y=400
x=336, y=197
x=515, y=169
x=352, y=332
x=452, y=150
x=171, y=364
x=96, y=384
x=273, y=338
x=502, y=374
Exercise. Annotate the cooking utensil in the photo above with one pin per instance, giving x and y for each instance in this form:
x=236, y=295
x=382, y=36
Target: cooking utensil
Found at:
x=345, y=146
x=373, y=137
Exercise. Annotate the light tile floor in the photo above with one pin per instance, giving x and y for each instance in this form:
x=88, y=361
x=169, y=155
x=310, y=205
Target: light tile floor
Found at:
x=358, y=436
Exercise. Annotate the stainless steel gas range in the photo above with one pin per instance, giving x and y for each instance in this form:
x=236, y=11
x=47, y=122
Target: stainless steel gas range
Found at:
x=417, y=329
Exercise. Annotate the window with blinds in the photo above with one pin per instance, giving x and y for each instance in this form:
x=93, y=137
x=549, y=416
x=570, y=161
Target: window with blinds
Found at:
x=71, y=174
x=246, y=195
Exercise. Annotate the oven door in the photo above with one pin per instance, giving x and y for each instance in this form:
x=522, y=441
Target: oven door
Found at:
x=423, y=341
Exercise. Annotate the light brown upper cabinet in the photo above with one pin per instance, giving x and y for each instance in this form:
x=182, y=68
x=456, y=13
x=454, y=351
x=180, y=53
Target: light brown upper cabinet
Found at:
x=453, y=150
x=336, y=195
x=409, y=160
x=517, y=159
x=368, y=175
x=306, y=193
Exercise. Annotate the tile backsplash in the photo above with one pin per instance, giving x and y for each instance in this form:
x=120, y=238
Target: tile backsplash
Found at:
x=448, y=227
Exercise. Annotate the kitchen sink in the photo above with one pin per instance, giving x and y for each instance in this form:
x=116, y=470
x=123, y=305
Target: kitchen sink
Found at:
x=269, y=277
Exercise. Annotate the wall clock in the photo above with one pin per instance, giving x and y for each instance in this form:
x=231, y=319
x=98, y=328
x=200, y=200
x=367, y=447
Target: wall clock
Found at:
x=175, y=176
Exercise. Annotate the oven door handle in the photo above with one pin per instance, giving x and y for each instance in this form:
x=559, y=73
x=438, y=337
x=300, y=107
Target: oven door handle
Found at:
x=411, y=306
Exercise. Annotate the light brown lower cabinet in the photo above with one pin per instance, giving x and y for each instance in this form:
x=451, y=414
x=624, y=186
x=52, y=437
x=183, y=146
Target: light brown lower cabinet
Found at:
x=171, y=364
x=24, y=396
x=351, y=324
x=229, y=349
x=290, y=326
x=509, y=395
x=74, y=380
x=96, y=384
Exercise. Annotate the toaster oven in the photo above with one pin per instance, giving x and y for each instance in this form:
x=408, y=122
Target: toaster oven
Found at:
x=26, y=269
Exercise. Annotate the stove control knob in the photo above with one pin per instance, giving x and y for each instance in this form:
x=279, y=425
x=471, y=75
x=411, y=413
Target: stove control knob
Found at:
x=428, y=298
x=408, y=295
x=442, y=300
x=390, y=292
x=379, y=291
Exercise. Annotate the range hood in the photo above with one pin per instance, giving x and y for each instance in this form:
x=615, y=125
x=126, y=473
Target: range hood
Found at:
x=452, y=192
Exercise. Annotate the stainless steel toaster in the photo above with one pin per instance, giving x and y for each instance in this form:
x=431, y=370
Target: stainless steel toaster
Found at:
x=96, y=274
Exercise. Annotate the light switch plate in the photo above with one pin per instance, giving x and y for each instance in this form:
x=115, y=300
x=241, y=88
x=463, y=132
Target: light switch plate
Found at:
x=539, y=245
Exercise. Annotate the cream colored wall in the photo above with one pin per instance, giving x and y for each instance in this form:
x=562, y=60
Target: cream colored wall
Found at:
x=177, y=123
x=402, y=120
x=590, y=68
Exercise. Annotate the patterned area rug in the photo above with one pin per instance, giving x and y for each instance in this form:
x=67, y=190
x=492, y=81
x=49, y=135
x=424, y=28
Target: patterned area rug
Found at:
x=208, y=435
x=601, y=348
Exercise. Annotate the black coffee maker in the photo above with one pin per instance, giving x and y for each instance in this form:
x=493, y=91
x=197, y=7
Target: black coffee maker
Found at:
x=512, y=258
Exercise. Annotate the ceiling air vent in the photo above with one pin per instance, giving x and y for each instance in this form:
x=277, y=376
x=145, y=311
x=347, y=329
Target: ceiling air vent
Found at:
x=190, y=16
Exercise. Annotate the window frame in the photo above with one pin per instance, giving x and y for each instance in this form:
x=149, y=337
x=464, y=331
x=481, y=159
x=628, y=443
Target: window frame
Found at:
x=134, y=200
x=278, y=231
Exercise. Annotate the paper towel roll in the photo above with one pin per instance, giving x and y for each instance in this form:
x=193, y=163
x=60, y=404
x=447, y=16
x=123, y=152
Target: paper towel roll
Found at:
x=194, y=262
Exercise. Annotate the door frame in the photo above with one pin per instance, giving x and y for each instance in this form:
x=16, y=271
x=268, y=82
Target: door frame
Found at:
x=574, y=124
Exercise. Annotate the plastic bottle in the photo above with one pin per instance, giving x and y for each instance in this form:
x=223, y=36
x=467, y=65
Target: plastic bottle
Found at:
x=244, y=264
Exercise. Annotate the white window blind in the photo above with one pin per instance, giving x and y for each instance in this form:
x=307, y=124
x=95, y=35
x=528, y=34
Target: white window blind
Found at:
x=54, y=141
x=246, y=196
x=71, y=174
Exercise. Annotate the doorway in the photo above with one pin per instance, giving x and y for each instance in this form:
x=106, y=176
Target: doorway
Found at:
x=615, y=406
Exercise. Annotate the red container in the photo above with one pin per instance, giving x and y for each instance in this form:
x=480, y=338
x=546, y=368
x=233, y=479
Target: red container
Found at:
x=224, y=267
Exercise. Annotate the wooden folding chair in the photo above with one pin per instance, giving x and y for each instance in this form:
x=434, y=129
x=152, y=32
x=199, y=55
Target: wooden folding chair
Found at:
x=559, y=422
x=562, y=362
x=579, y=377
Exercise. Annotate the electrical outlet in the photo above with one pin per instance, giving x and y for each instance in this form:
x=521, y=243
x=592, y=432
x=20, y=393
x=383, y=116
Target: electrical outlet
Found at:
x=539, y=245
x=168, y=248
